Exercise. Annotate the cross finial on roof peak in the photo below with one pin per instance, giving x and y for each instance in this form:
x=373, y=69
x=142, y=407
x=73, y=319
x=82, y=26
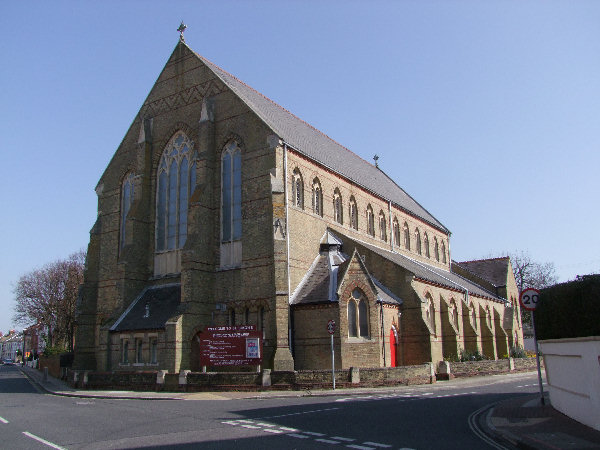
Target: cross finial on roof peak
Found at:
x=376, y=158
x=181, y=29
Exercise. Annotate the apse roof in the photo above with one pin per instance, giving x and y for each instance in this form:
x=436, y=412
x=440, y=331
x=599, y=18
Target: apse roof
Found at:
x=319, y=147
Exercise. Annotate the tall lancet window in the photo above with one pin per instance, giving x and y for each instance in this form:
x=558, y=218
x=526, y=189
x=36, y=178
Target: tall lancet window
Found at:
x=176, y=181
x=126, y=202
x=231, y=205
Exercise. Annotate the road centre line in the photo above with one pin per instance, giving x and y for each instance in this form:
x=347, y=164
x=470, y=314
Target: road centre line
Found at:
x=299, y=436
x=360, y=447
x=43, y=441
x=3, y=420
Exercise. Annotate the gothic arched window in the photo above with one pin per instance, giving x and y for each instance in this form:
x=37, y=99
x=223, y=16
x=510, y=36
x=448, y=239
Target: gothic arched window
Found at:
x=317, y=197
x=382, y=226
x=176, y=181
x=127, y=190
x=444, y=253
x=298, y=189
x=406, y=237
x=436, y=249
x=338, y=209
x=353, y=214
x=370, y=221
x=396, y=233
x=426, y=243
x=418, y=241
x=358, y=315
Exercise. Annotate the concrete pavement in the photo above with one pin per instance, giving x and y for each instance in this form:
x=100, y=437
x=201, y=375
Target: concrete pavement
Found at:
x=522, y=422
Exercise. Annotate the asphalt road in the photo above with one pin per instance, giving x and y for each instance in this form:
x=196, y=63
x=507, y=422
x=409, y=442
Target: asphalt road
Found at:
x=439, y=416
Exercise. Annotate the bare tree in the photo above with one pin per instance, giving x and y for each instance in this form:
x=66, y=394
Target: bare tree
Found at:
x=48, y=296
x=531, y=274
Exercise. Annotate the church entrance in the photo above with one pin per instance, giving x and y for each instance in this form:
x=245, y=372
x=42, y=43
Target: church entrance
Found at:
x=393, y=347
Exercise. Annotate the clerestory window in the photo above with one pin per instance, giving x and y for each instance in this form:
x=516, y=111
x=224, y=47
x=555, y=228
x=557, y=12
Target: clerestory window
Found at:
x=370, y=221
x=176, y=181
x=298, y=190
x=337, y=207
x=382, y=227
x=396, y=233
x=426, y=243
x=353, y=214
x=406, y=236
x=317, y=198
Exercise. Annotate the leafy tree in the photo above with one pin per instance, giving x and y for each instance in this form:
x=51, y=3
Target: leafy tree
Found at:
x=48, y=296
x=531, y=274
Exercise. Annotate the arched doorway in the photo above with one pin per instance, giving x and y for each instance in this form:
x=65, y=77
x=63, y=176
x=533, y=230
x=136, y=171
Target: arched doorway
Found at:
x=393, y=346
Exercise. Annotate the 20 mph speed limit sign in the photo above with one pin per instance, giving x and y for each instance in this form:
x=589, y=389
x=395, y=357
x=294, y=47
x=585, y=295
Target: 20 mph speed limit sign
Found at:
x=529, y=299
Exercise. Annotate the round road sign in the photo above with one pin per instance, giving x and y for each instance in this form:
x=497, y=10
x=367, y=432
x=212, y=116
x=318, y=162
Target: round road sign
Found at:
x=529, y=299
x=331, y=326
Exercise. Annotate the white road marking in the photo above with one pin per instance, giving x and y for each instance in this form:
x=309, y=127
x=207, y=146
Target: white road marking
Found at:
x=262, y=424
x=327, y=441
x=298, y=413
x=377, y=444
x=289, y=429
x=3, y=420
x=360, y=447
x=254, y=427
x=273, y=430
x=299, y=436
x=312, y=433
x=43, y=441
x=342, y=438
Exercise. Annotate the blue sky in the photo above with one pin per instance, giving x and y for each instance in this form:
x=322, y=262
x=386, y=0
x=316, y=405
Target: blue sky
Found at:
x=485, y=112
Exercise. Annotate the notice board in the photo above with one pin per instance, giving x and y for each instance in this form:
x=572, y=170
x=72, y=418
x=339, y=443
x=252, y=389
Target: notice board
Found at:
x=231, y=346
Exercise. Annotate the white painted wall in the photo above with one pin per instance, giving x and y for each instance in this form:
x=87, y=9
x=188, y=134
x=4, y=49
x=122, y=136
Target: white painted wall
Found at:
x=573, y=375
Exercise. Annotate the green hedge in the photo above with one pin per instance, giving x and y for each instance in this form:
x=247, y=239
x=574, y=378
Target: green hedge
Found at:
x=569, y=310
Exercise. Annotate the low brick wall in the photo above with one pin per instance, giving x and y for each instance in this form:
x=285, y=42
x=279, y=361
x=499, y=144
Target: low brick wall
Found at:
x=131, y=381
x=52, y=363
x=487, y=367
x=526, y=364
x=203, y=381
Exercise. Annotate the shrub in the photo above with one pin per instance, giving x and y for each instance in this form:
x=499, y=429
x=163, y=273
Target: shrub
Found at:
x=54, y=350
x=518, y=352
x=467, y=355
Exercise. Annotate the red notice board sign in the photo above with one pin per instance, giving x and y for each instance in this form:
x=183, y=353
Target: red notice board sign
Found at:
x=231, y=346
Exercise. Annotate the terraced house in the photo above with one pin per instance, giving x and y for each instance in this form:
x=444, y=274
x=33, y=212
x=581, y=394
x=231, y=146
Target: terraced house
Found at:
x=221, y=207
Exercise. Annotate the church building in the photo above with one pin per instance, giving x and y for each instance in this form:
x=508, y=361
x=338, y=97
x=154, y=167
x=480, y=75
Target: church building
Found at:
x=220, y=207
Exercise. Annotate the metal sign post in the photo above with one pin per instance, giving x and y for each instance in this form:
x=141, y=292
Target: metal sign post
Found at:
x=331, y=330
x=529, y=300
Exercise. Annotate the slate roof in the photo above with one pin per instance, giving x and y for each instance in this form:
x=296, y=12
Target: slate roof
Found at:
x=492, y=270
x=162, y=304
x=430, y=273
x=324, y=277
x=319, y=147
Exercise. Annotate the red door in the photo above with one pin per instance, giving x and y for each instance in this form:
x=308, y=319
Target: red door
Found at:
x=393, y=345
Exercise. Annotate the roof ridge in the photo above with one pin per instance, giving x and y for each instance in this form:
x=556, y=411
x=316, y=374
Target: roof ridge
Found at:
x=279, y=106
x=483, y=259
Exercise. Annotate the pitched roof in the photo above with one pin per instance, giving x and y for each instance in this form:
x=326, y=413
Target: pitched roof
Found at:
x=320, y=283
x=151, y=309
x=493, y=270
x=319, y=147
x=430, y=273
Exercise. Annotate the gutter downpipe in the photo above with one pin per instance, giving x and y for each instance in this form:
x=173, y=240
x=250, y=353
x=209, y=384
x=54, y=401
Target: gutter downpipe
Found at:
x=287, y=244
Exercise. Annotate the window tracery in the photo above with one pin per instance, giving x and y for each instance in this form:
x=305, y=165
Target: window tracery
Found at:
x=370, y=221
x=353, y=214
x=298, y=189
x=317, y=198
x=382, y=227
x=176, y=181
